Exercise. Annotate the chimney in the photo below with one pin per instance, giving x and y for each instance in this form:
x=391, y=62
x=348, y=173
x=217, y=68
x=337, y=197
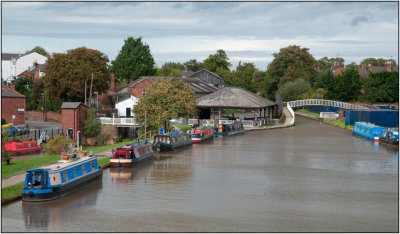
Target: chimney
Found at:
x=112, y=84
x=388, y=65
x=370, y=67
x=35, y=64
x=186, y=68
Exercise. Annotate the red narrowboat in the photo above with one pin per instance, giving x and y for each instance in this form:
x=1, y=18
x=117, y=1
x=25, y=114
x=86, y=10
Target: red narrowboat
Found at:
x=132, y=155
x=22, y=147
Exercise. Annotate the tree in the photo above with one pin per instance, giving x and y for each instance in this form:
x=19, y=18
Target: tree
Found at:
x=92, y=125
x=165, y=100
x=348, y=85
x=193, y=65
x=326, y=63
x=66, y=74
x=382, y=86
x=243, y=76
x=293, y=90
x=217, y=63
x=133, y=61
x=170, y=69
x=377, y=62
x=291, y=63
x=23, y=85
x=326, y=81
x=38, y=50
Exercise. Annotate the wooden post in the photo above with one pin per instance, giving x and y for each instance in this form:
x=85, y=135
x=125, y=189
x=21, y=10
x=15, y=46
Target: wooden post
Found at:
x=219, y=115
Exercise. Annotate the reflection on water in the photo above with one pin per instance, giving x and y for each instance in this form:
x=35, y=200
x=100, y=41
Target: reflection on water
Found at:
x=39, y=214
x=122, y=175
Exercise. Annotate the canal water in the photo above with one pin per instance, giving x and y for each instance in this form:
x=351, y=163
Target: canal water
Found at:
x=308, y=178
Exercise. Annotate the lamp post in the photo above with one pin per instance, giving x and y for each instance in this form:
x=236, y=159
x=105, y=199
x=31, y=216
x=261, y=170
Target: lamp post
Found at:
x=97, y=98
x=43, y=107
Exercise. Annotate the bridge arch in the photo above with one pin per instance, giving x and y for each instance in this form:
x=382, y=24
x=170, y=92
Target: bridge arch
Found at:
x=323, y=102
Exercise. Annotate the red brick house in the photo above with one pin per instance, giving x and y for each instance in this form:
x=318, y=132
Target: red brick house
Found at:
x=72, y=116
x=12, y=104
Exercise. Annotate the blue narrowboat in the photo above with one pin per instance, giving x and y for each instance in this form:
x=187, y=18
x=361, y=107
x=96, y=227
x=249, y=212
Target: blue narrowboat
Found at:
x=390, y=138
x=367, y=130
x=229, y=129
x=66, y=176
x=132, y=155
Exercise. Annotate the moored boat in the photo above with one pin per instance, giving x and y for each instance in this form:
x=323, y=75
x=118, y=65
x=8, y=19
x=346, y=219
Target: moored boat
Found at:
x=70, y=174
x=132, y=155
x=390, y=138
x=202, y=133
x=231, y=128
x=27, y=146
x=171, y=141
x=367, y=130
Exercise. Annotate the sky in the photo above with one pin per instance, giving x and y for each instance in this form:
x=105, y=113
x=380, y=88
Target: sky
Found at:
x=179, y=31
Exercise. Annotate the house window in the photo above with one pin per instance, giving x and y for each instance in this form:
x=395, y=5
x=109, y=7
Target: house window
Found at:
x=144, y=92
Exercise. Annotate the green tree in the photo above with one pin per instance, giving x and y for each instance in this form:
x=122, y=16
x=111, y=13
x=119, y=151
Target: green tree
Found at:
x=326, y=63
x=293, y=90
x=170, y=69
x=38, y=50
x=164, y=100
x=270, y=85
x=92, y=125
x=23, y=85
x=193, y=65
x=348, y=85
x=243, y=76
x=291, y=63
x=377, y=62
x=66, y=74
x=382, y=86
x=133, y=61
x=218, y=63
x=326, y=81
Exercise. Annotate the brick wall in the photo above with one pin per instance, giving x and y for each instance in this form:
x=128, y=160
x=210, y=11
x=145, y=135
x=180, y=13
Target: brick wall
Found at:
x=137, y=89
x=53, y=117
x=73, y=118
x=10, y=106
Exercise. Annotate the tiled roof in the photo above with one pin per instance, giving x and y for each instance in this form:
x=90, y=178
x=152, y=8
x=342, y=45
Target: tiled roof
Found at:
x=195, y=84
x=233, y=98
x=10, y=92
x=8, y=56
x=70, y=105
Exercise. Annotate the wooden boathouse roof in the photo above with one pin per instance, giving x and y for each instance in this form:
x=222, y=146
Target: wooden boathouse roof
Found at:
x=233, y=98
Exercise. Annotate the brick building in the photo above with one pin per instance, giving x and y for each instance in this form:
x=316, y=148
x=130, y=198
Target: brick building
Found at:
x=12, y=104
x=72, y=116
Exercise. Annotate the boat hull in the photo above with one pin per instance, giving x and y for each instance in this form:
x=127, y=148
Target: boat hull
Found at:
x=162, y=147
x=52, y=193
x=132, y=163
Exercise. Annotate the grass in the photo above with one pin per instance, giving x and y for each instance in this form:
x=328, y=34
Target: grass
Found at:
x=338, y=123
x=12, y=192
x=17, y=167
x=104, y=162
x=311, y=114
x=183, y=127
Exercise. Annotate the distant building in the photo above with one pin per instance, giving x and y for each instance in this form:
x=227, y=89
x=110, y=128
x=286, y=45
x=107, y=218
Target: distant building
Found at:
x=209, y=77
x=13, y=65
x=12, y=104
x=36, y=71
x=364, y=70
x=125, y=107
x=72, y=116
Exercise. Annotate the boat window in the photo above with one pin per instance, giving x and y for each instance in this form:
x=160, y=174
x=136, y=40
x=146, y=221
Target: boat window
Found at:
x=83, y=169
x=29, y=145
x=65, y=173
x=54, y=178
x=92, y=165
x=75, y=173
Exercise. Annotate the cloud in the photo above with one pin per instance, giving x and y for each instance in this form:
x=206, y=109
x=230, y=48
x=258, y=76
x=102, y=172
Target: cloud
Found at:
x=359, y=19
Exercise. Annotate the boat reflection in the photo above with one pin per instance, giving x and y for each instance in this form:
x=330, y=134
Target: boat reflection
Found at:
x=126, y=175
x=40, y=214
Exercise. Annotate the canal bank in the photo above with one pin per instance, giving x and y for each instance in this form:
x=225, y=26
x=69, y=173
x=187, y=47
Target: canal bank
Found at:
x=294, y=179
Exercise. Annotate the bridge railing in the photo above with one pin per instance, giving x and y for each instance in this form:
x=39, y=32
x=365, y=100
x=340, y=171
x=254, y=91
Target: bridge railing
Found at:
x=118, y=121
x=323, y=102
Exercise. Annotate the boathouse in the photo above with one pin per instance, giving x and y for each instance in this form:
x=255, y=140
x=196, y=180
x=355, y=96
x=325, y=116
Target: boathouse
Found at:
x=236, y=98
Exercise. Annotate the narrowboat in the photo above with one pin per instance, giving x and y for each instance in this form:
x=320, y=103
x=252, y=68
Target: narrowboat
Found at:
x=28, y=146
x=202, y=134
x=230, y=129
x=389, y=137
x=68, y=175
x=367, y=130
x=171, y=141
x=132, y=155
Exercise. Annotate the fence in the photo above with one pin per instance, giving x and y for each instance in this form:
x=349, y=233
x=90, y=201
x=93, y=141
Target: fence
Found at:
x=388, y=118
x=118, y=121
x=36, y=133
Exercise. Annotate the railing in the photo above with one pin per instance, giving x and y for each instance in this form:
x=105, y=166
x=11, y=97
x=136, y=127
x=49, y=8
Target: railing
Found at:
x=322, y=102
x=118, y=121
x=291, y=113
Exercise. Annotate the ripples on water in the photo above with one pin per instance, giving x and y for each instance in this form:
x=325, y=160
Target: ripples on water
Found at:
x=309, y=178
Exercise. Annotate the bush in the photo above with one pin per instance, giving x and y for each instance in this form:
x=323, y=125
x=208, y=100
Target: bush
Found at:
x=3, y=121
x=102, y=138
x=54, y=145
x=278, y=114
x=293, y=90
